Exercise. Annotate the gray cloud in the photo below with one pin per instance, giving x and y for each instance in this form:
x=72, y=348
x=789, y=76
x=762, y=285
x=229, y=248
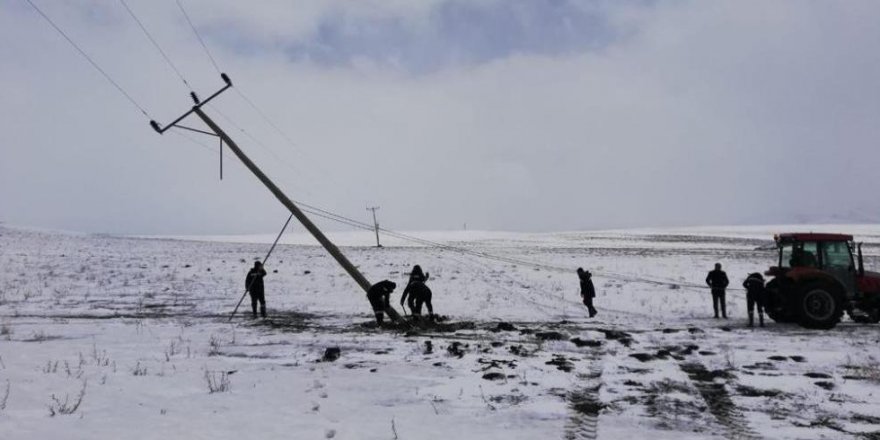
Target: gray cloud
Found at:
x=456, y=33
x=611, y=115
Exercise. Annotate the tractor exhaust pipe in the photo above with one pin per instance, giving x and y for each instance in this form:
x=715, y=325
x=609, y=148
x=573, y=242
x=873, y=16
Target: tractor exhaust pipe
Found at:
x=861, y=262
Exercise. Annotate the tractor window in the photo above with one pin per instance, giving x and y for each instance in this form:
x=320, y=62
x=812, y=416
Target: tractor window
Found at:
x=836, y=255
x=785, y=255
x=801, y=254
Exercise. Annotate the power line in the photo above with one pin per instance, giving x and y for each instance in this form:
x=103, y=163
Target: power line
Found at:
x=155, y=44
x=485, y=255
x=281, y=132
x=89, y=59
x=257, y=141
x=198, y=36
x=265, y=118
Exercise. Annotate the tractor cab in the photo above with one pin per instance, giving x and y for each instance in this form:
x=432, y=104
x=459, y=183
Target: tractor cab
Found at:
x=817, y=277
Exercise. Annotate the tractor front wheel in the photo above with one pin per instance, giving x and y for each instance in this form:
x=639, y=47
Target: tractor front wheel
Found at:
x=819, y=306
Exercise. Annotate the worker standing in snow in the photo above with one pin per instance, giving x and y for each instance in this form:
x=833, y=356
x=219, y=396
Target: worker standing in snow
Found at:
x=588, y=291
x=378, y=296
x=717, y=282
x=254, y=285
x=415, y=292
x=754, y=285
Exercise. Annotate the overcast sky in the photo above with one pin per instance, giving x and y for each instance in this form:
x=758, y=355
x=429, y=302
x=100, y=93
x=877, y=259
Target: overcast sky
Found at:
x=502, y=114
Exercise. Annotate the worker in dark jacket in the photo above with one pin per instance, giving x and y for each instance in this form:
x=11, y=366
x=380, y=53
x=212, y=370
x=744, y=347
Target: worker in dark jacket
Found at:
x=754, y=285
x=378, y=296
x=254, y=285
x=416, y=276
x=422, y=296
x=717, y=281
x=588, y=291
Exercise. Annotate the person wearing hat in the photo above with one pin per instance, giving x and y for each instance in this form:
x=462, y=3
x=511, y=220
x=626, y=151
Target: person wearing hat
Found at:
x=378, y=296
x=254, y=285
x=717, y=282
x=588, y=291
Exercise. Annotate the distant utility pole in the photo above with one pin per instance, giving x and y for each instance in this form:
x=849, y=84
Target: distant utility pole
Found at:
x=375, y=223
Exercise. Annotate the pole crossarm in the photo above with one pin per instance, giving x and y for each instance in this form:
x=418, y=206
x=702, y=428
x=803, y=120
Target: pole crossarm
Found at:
x=161, y=130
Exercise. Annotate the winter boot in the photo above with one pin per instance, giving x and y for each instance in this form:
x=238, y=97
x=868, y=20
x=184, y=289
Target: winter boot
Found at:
x=379, y=318
x=751, y=319
x=262, y=311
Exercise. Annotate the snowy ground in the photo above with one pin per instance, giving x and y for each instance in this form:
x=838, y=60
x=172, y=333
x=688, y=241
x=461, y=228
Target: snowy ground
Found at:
x=135, y=331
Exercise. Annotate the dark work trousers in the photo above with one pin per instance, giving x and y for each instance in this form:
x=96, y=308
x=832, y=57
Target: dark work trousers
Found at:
x=411, y=303
x=261, y=298
x=379, y=302
x=424, y=298
x=753, y=300
x=719, y=299
x=588, y=301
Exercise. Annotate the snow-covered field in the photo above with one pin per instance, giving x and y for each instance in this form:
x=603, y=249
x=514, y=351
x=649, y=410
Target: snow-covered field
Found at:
x=106, y=337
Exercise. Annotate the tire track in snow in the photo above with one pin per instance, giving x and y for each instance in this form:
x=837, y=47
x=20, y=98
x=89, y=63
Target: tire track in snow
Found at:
x=584, y=405
x=718, y=400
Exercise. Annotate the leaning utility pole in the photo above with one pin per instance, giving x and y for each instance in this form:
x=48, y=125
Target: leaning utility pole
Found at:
x=375, y=223
x=286, y=201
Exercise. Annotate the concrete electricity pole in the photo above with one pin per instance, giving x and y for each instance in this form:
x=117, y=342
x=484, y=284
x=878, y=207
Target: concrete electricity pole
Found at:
x=274, y=189
x=375, y=223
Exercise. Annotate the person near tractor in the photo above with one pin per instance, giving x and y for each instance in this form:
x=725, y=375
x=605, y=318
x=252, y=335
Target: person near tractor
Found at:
x=717, y=282
x=416, y=294
x=588, y=291
x=378, y=296
x=254, y=285
x=802, y=258
x=754, y=285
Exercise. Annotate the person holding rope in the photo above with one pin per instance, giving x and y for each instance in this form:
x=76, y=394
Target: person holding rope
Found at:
x=588, y=291
x=254, y=285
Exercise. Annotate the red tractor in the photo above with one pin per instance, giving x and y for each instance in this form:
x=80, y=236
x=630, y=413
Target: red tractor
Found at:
x=817, y=278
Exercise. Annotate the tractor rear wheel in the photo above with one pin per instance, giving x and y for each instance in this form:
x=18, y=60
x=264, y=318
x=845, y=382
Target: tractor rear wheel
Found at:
x=819, y=305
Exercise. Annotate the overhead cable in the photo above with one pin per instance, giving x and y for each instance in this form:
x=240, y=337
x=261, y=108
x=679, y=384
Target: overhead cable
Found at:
x=89, y=59
x=155, y=44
